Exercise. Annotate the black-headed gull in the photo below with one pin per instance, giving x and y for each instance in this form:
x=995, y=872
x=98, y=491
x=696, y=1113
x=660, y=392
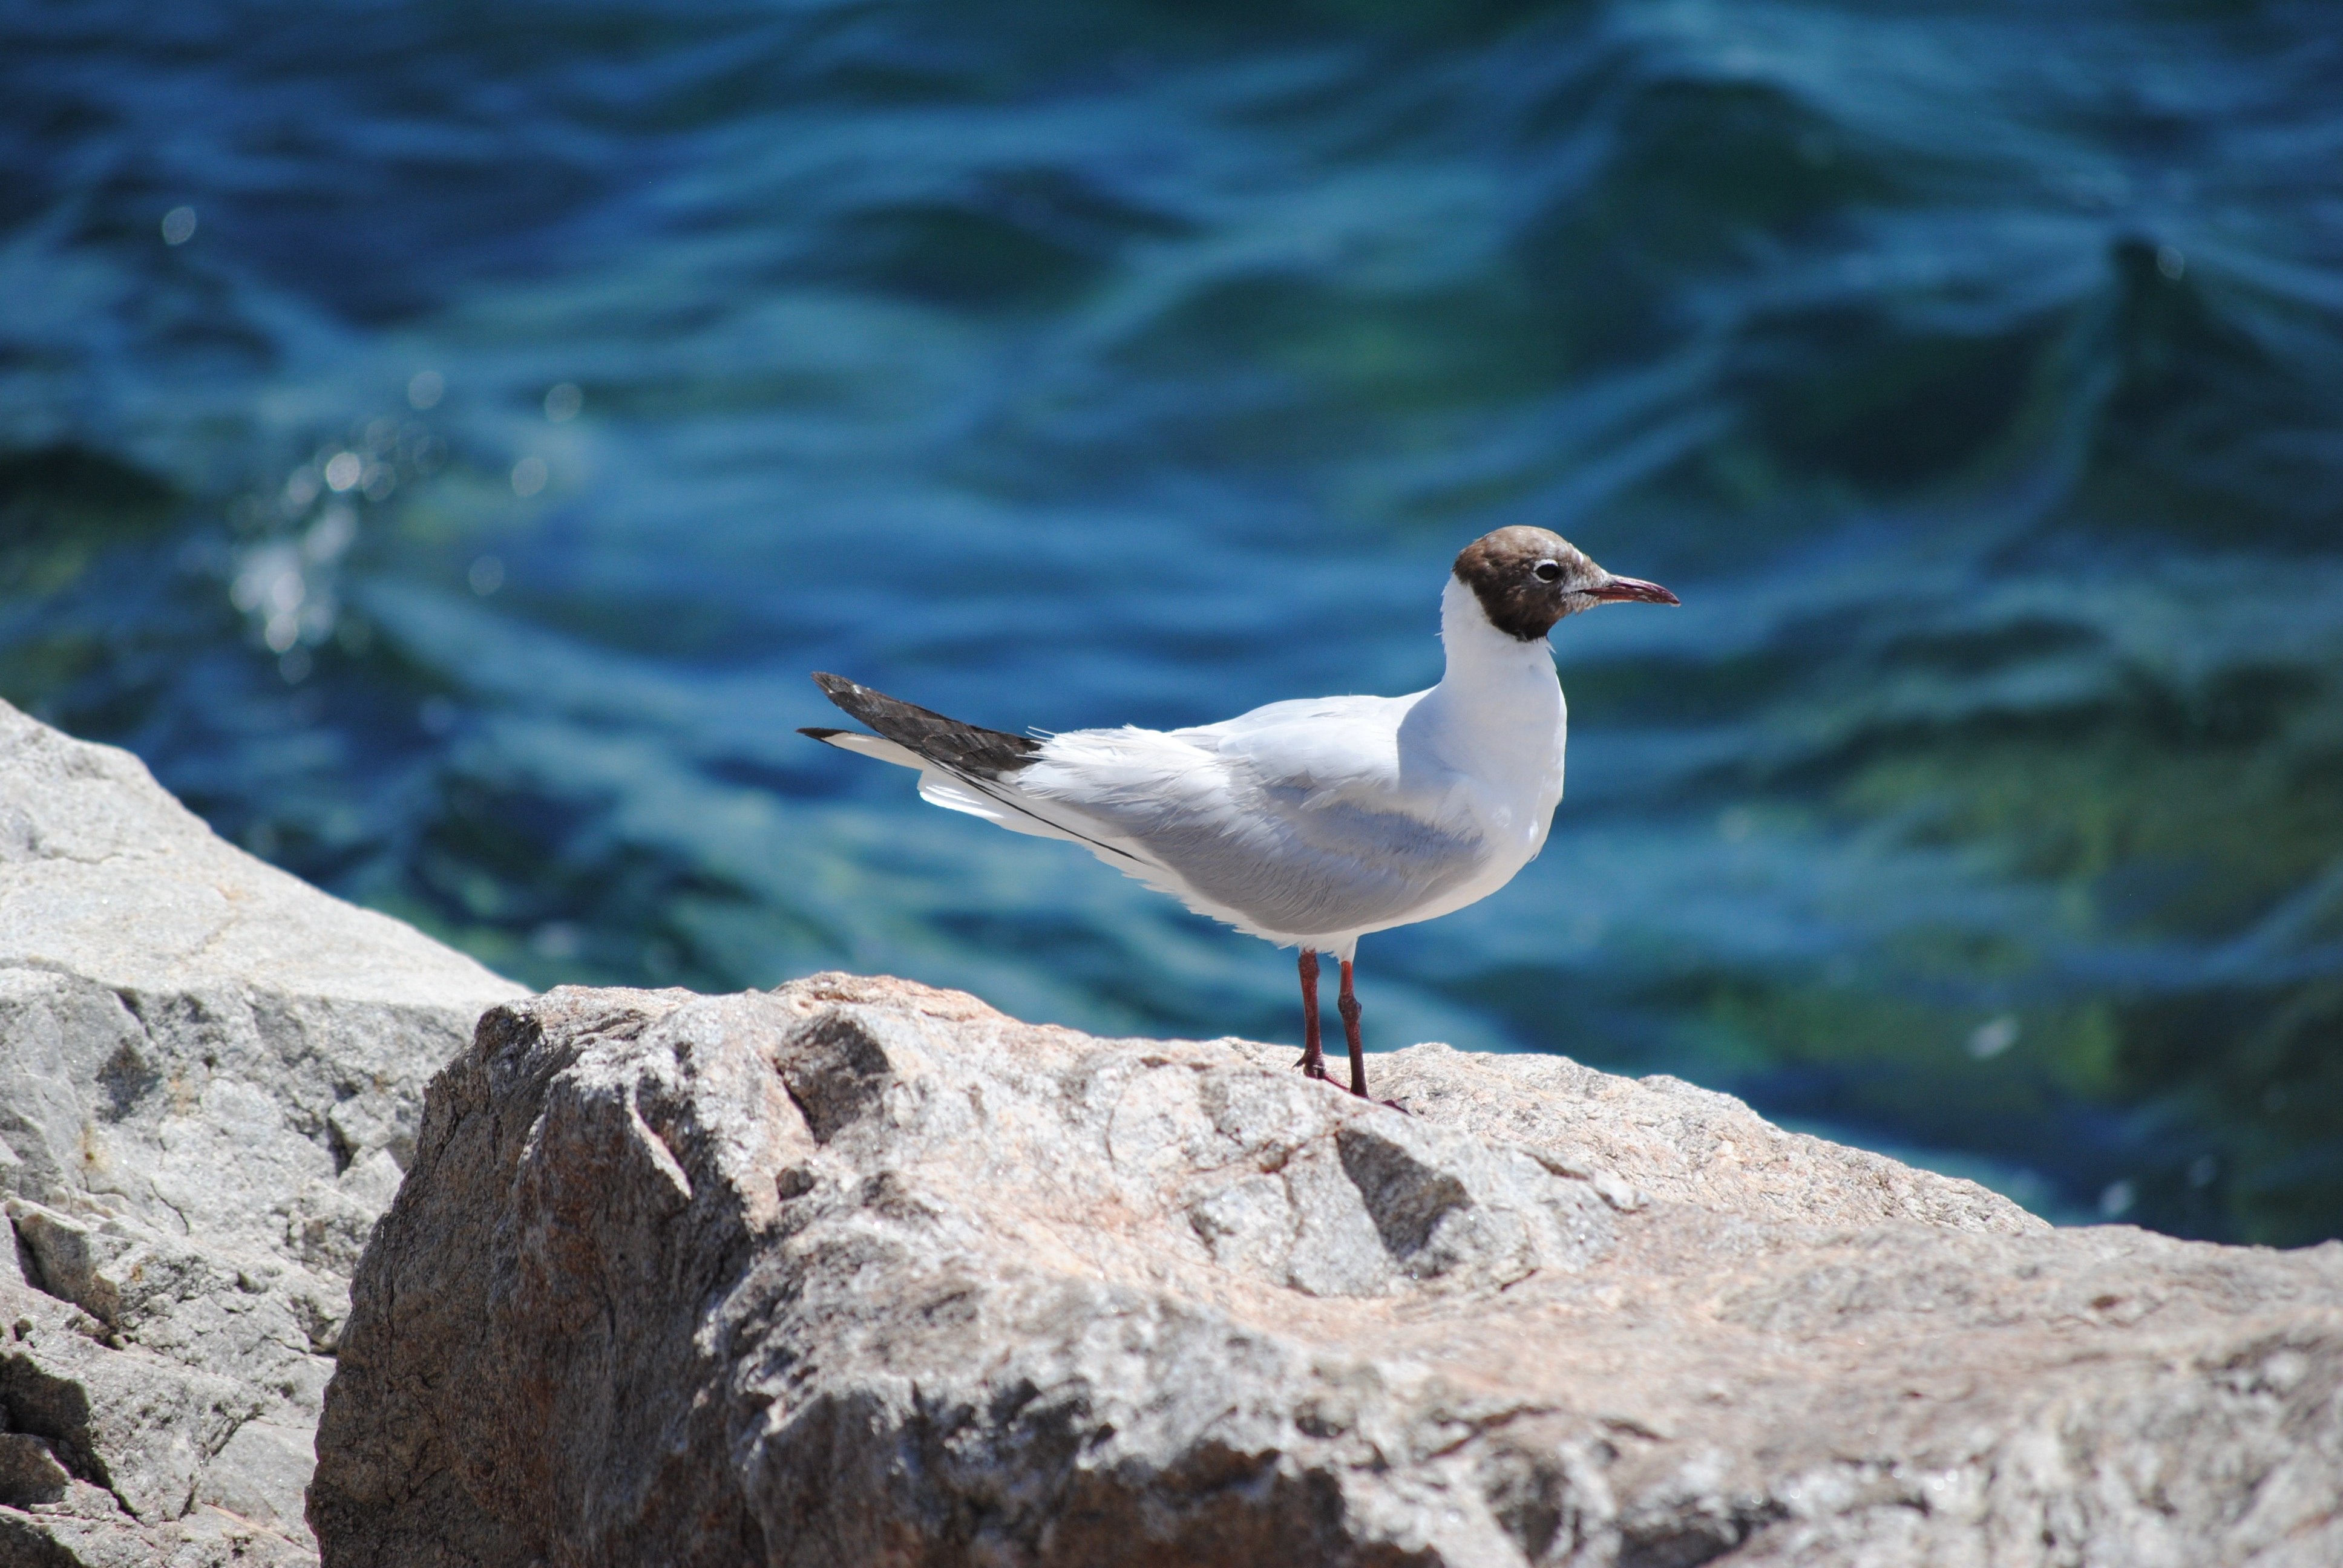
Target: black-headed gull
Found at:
x=1307, y=823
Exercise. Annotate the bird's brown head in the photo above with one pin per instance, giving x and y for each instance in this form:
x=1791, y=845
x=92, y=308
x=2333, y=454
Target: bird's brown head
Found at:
x=1527, y=579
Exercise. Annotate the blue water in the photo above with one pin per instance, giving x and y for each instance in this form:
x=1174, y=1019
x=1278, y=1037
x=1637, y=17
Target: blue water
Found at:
x=440, y=439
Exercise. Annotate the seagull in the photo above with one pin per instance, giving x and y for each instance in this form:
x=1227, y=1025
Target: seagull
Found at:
x=1307, y=823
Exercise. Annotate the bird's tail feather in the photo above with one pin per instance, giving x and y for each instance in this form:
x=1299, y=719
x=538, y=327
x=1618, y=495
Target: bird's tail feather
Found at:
x=964, y=748
x=962, y=767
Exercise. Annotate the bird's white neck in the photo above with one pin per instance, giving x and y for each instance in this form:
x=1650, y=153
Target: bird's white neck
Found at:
x=1499, y=704
x=1480, y=658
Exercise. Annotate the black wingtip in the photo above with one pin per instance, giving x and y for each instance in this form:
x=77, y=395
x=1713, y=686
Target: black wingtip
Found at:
x=819, y=733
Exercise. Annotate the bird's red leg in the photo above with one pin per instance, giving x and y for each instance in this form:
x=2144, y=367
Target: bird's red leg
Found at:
x=1314, y=1059
x=1348, y=1005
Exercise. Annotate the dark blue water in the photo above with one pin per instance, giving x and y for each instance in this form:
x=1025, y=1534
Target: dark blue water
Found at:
x=439, y=438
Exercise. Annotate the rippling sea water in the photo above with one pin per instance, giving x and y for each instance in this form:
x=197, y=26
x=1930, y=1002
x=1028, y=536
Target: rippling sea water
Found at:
x=439, y=438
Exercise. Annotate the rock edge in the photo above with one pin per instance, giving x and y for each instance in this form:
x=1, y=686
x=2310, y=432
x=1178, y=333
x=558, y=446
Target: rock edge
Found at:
x=862, y=1273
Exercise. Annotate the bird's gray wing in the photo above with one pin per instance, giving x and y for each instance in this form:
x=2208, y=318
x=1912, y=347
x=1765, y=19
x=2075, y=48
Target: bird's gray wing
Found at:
x=1293, y=820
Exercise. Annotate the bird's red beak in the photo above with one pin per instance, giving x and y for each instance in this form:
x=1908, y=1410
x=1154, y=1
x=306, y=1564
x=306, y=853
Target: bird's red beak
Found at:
x=1635, y=588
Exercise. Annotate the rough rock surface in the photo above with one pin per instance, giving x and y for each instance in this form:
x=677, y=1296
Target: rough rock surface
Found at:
x=858, y=1272
x=210, y=1078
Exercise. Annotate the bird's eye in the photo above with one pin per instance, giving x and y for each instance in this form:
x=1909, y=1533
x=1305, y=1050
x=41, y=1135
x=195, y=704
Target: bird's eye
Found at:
x=1548, y=571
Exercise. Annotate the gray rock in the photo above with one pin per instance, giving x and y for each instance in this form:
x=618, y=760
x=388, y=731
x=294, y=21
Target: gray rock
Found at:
x=82, y=1532
x=262, y=1472
x=126, y=1420
x=209, y=1075
x=858, y=1272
